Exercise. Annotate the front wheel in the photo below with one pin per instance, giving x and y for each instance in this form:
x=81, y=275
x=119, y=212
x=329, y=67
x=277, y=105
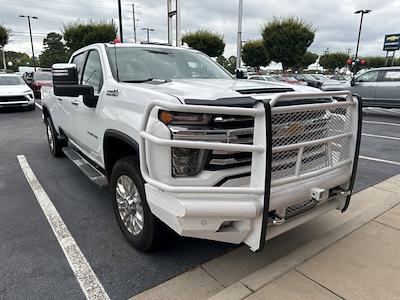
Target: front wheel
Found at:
x=139, y=226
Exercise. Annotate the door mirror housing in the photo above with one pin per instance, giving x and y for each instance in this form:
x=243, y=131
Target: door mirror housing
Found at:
x=353, y=81
x=65, y=74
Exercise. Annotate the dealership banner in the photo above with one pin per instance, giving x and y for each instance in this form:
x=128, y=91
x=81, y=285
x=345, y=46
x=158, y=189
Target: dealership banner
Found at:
x=392, y=42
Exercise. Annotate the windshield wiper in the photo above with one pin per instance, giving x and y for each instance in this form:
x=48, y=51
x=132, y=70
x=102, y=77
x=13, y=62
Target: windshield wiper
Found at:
x=153, y=80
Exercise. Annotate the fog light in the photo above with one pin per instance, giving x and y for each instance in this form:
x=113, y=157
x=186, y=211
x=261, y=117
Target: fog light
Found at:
x=187, y=162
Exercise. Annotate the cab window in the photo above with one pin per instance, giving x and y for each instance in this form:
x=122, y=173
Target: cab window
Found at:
x=368, y=77
x=92, y=73
x=392, y=75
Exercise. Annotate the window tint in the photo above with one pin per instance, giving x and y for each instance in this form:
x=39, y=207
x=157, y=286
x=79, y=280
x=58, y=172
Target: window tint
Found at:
x=92, y=74
x=78, y=61
x=368, y=77
x=392, y=76
x=11, y=80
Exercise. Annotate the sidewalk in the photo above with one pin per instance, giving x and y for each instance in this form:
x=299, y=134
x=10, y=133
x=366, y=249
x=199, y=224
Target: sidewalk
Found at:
x=351, y=255
x=348, y=263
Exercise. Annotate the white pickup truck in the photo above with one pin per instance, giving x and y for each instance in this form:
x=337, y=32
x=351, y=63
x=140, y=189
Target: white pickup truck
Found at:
x=183, y=144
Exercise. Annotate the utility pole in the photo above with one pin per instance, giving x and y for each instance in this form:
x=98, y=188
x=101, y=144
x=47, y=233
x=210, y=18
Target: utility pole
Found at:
x=134, y=21
x=326, y=51
x=120, y=21
x=239, y=36
x=30, y=34
x=4, y=59
x=348, y=51
x=148, y=33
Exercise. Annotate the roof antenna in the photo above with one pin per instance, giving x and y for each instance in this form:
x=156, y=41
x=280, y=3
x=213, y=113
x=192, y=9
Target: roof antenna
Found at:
x=116, y=41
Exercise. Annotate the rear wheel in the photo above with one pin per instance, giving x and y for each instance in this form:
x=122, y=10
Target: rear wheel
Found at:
x=139, y=226
x=55, y=145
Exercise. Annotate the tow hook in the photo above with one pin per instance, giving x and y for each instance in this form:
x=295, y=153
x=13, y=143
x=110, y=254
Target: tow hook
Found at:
x=276, y=219
x=340, y=191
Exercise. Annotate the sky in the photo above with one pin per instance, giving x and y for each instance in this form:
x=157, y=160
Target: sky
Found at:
x=335, y=22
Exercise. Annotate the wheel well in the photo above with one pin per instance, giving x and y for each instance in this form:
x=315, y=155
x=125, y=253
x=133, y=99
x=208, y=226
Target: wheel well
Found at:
x=117, y=146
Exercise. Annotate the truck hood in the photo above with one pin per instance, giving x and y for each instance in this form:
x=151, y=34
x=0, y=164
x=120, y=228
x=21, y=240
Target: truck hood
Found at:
x=211, y=89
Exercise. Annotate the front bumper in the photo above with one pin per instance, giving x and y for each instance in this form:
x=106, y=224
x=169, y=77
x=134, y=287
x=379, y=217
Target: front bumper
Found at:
x=246, y=212
x=15, y=101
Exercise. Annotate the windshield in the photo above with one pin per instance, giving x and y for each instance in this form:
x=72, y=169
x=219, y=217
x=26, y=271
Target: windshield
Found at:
x=43, y=76
x=141, y=64
x=11, y=80
x=279, y=77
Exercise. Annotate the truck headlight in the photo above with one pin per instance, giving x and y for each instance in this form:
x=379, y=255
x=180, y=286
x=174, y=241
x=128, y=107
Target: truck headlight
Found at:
x=186, y=161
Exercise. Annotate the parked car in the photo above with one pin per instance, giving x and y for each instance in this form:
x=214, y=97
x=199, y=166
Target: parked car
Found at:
x=14, y=92
x=40, y=79
x=341, y=78
x=286, y=79
x=311, y=81
x=180, y=143
x=378, y=87
x=264, y=78
x=331, y=84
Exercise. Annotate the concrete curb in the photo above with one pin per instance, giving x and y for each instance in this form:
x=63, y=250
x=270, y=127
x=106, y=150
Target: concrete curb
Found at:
x=262, y=277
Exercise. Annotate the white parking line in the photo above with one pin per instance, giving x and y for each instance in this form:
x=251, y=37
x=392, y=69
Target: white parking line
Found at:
x=38, y=105
x=382, y=123
x=380, y=160
x=90, y=284
x=381, y=136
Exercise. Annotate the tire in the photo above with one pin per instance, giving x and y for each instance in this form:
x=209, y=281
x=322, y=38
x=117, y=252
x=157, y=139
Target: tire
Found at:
x=55, y=145
x=141, y=228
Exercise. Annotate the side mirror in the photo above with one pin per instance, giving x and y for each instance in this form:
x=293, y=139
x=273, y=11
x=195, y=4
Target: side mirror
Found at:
x=353, y=81
x=64, y=74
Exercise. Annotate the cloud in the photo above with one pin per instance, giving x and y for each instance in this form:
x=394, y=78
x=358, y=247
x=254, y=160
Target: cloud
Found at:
x=336, y=24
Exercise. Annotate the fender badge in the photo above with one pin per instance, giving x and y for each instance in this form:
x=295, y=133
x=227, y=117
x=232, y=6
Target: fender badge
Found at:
x=113, y=93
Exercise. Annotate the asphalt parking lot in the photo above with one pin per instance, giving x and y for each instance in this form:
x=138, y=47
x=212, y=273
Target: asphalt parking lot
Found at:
x=32, y=263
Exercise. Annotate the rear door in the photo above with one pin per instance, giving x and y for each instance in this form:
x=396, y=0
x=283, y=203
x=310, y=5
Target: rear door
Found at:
x=388, y=89
x=67, y=104
x=87, y=124
x=365, y=86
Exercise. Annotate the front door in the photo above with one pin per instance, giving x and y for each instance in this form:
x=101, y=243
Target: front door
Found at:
x=86, y=120
x=365, y=86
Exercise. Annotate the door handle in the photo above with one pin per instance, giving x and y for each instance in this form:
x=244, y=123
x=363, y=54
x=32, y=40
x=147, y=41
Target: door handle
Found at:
x=75, y=103
x=59, y=99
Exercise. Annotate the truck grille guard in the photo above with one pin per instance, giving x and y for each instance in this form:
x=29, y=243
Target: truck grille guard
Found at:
x=301, y=141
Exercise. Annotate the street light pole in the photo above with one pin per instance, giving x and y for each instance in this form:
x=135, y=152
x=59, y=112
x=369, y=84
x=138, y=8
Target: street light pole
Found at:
x=239, y=35
x=362, y=12
x=120, y=21
x=148, y=33
x=30, y=34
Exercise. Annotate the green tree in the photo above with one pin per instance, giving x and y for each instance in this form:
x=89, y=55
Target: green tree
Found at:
x=4, y=35
x=228, y=63
x=254, y=55
x=205, y=41
x=54, y=50
x=286, y=40
x=308, y=59
x=332, y=61
x=375, y=61
x=18, y=59
x=80, y=34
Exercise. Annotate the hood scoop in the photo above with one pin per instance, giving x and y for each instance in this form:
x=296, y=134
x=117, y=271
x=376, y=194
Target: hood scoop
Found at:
x=264, y=90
